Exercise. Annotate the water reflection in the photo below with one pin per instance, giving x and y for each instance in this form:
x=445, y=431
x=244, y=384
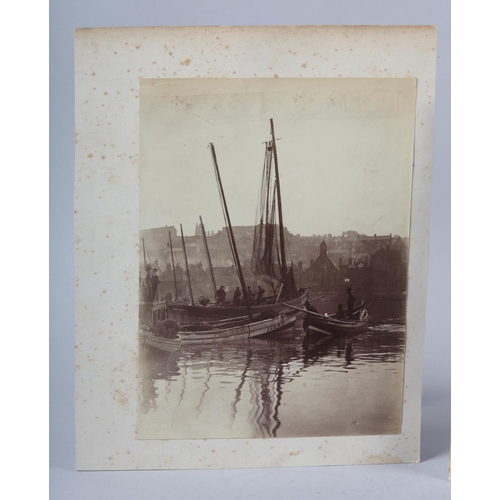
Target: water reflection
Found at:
x=284, y=385
x=149, y=394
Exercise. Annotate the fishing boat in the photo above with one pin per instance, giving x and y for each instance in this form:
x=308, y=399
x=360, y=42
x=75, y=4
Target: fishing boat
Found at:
x=248, y=326
x=185, y=313
x=330, y=325
x=241, y=328
x=269, y=260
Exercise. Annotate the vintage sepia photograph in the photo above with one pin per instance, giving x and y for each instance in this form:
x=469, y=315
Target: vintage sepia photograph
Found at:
x=274, y=245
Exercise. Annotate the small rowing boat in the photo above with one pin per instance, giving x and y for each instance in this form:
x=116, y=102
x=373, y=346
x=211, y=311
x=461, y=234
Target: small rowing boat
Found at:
x=330, y=325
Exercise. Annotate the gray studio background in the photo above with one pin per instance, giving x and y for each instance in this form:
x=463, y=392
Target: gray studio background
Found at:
x=416, y=481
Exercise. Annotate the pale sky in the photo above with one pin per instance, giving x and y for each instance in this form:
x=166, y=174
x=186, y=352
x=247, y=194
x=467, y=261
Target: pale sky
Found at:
x=345, y=151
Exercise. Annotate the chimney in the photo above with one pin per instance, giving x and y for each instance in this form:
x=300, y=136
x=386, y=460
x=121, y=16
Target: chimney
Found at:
x=300, y=266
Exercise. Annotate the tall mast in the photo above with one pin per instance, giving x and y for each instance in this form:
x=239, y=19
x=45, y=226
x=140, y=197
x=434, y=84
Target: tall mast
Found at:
x=280, y=210
x=187, y=268
x=232, y=241
x=144, y=253
x=173, y=265
x=205, y=243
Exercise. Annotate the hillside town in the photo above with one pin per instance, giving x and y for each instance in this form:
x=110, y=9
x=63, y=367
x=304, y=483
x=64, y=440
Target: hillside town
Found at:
x=374, y=265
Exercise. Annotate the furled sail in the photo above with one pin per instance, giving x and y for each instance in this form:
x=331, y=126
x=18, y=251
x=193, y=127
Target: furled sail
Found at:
x=265, y=256
x=268, y=256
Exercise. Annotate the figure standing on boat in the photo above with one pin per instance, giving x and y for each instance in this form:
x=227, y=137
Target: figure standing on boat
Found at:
x=155, y=282
x=220, y=296
x=237, y=296
x=351, y=298
x=260, y=295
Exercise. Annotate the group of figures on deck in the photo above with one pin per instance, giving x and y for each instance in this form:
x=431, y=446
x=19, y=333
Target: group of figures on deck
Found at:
x=254, y=298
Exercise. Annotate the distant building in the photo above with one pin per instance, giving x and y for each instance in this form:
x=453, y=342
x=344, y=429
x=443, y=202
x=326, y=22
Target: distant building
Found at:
x=156, y=243
x=322, y=274
x=356, y=274
x=389, y=269
x=158, y=235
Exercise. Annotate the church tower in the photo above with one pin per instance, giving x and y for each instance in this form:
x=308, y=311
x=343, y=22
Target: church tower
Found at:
x=322, y=249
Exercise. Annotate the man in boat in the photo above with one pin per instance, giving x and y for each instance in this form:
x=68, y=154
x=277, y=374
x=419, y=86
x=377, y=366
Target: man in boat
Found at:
x=166, y=329
x=220, y=296
x=307, y=317
x=351, y=298
x=155, y=282
x=237, y=296
x=168, y=298
x=260, y=295
x=340, y=312
x=250, y=295
x=311, y=308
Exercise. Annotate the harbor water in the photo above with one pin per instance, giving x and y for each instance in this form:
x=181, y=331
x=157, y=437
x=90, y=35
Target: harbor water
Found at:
x=285, y=384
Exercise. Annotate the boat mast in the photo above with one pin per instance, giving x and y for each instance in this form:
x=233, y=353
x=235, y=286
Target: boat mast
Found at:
x=166, y=259
x=232, y=241
x=187, y=267
x=280, y=210
x=173, y=265
x=205, y=243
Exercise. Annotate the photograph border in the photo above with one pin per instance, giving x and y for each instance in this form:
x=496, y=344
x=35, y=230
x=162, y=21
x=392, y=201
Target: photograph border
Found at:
x=109, y=64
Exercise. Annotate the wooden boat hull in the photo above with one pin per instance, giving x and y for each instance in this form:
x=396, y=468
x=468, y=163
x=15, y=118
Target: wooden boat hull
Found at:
x=332, y=326
x=241, y=331
x=168, y=345
x=188, y=314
